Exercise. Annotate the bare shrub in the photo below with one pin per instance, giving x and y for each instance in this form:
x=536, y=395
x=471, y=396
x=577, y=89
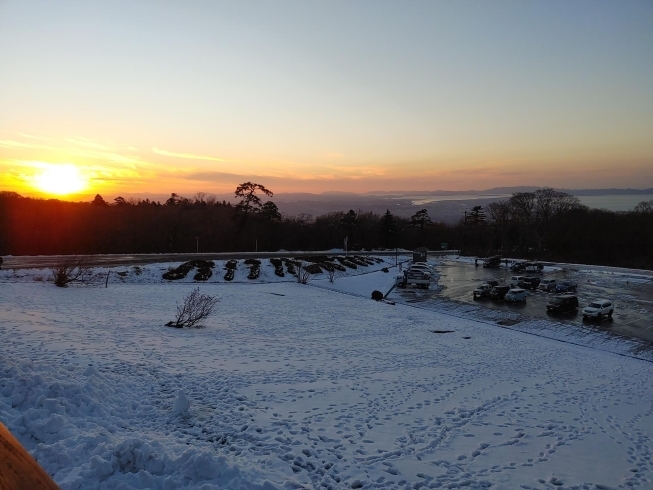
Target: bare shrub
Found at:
x=72, y=268
x=303, y=276
x=333, y=274
x=195, y=308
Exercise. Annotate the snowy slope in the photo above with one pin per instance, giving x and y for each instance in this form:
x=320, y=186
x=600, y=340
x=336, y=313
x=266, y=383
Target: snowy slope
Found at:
x=295, y=386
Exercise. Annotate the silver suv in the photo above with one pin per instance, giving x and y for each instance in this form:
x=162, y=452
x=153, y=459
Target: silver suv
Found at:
x=598, y=309
x=548, y=285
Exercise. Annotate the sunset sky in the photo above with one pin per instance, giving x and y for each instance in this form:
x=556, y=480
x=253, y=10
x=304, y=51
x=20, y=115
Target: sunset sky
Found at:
x=306, y=96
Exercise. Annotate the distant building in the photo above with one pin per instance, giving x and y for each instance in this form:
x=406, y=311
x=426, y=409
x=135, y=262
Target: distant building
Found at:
x=419, y=255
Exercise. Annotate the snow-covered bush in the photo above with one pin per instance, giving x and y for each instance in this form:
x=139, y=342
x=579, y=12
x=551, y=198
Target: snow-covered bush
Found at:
x=195, y=308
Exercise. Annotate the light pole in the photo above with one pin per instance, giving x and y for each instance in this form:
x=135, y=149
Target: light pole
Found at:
x=346, y=245
x=197, y=244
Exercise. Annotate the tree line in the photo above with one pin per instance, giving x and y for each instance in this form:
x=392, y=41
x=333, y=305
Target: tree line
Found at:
x=545, y=224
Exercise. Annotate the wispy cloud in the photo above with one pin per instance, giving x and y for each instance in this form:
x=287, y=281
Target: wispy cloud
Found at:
x=225, y=177
x=18, y=144
x=87, y=143
x=31, y=136
x=190, y=156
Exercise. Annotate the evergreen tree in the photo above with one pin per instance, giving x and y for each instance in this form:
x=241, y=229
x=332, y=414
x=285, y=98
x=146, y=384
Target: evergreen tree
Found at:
x=388, y=227
x=420, y=218
x=477, y=215
x=249, y=201
x=270, y=212
x=349, y=221
x=98, y=201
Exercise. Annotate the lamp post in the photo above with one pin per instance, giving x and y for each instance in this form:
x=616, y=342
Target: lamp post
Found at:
x=197, y=244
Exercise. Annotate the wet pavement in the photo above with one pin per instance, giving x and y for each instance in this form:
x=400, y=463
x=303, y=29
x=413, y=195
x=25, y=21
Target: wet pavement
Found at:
x=632, y=295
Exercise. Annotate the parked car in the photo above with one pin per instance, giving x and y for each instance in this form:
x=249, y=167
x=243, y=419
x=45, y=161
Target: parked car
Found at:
x=517, y=266
x=482, y=291
x=548, y=284
x=566, y=287
x=417, y=277
x=515, y=280
x=598, y=309
x=493, y=262
x=562, y=303
x=421, y=266
x=499, y=292
x=516, y=294
x=492, y=282
x=529, y=283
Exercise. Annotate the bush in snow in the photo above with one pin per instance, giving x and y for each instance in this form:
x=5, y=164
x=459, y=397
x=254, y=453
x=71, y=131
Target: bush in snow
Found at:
x=254, y=271
x=71, y=269
x=312, y=268
x=332, y=274
x=203, y=274
x=303, y=276
x=377, y=295
x=195, y=308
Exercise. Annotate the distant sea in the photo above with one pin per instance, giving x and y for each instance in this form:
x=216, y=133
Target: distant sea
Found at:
x=614, y=203
x=421, y=200
x=610, y=202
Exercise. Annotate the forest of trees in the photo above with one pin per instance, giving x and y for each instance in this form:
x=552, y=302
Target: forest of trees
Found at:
x=545, y=224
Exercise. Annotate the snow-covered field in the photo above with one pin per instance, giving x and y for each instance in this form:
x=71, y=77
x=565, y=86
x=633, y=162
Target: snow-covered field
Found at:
x=302, y=386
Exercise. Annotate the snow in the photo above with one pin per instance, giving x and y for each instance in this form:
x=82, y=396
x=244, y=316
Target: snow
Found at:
x=300, y=386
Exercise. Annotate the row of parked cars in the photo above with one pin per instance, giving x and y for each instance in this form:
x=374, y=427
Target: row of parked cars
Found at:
x=492, y=289
x=564, y=301
x=549, y=285
x=495, y=261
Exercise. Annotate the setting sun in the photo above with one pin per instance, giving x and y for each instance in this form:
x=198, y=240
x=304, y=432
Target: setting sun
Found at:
x=61, y=180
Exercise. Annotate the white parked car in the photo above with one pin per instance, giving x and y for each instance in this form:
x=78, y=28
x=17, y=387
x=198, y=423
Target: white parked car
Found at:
x=423, y=270
x=515, y=280
x=548, y=285
x=598, y=309
x=423, y=266
x=516, y=294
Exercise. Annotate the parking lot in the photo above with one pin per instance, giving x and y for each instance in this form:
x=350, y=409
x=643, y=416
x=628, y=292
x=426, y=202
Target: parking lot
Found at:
x=632, y=294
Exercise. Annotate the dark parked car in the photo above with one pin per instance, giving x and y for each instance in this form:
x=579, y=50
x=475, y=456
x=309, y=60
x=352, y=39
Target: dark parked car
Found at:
x=533, y=267
x=493, y=262
x=482, y=291
x=566, y=287
x=492, y=282
x=499, y=292
x=529, y=283
x=562, y=303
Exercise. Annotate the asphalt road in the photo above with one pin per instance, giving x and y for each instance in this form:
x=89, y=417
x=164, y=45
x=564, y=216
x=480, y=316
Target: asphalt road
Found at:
x=632, y=296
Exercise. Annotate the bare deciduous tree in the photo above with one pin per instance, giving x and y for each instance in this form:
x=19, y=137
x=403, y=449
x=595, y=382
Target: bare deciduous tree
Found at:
x=72, y=268
x=195, y=308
